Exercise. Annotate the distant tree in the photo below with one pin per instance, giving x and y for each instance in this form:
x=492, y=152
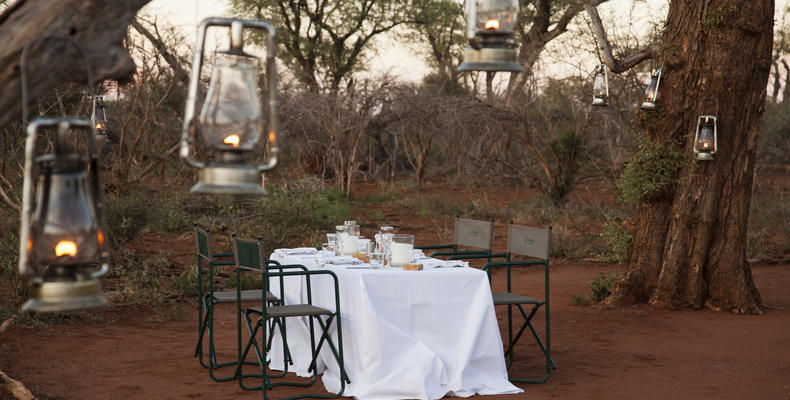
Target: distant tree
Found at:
x=440, y=25
x=324, y=41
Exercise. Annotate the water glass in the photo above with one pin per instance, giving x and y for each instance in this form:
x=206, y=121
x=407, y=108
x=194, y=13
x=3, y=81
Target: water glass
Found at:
x=340, y=238
x=331, y=239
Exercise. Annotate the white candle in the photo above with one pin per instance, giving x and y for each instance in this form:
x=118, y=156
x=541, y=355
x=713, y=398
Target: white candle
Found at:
x=401, y=253
x=350, y=244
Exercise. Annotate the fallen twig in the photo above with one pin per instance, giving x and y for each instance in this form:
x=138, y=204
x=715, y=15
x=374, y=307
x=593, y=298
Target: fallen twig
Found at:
x=15, y=388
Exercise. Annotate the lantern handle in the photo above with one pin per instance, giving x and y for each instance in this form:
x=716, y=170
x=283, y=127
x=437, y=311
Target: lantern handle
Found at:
x=236, y=25
x=714, y=99
x=23, y=67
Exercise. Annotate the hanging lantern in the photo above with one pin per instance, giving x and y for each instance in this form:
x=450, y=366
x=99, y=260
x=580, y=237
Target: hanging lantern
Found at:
x=705, y=140
x=600, y=86
x=62, y=243
x=651, y=94
x=232, y=120
x=99, y=119
x=490, y=26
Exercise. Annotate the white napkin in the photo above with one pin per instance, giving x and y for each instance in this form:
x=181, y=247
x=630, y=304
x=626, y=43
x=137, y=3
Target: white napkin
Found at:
x=434, y=263
x=339, y=260
x=296, y=251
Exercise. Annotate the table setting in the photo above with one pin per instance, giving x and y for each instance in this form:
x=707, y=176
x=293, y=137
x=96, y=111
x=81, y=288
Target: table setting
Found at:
x=413, y=327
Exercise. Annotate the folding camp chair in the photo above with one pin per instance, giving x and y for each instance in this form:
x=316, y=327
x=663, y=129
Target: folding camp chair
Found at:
x=249, y=256
x=469, y=233
x=530, y=242
x=208, y=299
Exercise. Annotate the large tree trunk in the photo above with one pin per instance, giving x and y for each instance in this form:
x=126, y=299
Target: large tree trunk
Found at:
x=99, y=25
x=690, y=245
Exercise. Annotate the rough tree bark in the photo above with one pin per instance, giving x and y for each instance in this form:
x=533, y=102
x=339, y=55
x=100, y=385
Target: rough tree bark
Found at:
x=99, y=25
x=690, y=245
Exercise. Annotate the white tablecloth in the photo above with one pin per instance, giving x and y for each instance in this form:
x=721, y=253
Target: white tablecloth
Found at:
x=406, y=334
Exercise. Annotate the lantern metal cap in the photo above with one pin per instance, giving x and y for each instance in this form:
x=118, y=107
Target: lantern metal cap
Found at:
x=65, y=296
x=490, y=59
x=648, y=105
x=228, y=179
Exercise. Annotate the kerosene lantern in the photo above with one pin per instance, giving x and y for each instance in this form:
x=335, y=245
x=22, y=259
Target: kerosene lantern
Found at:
x=651, y=93
x=231, y=122
x=705, y=140
x=600, y=86
x=62, y=241
x=99, y=119
x=490, y=26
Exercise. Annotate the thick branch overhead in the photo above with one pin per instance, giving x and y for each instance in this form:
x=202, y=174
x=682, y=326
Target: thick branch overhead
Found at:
x=651, y=51
x=98, y=25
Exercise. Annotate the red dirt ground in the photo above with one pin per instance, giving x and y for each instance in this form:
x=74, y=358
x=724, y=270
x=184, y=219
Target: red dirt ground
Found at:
x=622, y=353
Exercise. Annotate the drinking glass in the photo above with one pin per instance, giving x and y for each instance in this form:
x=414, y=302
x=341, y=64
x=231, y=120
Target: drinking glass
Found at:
x=340, y=238
x=331, y=239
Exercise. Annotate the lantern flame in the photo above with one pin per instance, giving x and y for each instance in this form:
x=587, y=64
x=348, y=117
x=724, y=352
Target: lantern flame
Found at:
x=66, y=248
x=232, y=140
x=492, y=25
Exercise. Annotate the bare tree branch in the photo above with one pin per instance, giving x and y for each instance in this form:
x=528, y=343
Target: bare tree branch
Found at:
x=15, y=388
x=162, y=48
x=651, y=51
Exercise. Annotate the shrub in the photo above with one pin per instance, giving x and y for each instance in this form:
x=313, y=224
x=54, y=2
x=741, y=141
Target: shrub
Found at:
x=618, y=242
x=651, y=172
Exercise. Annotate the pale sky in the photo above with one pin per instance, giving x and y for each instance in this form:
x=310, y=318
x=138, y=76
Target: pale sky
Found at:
x=400, y=61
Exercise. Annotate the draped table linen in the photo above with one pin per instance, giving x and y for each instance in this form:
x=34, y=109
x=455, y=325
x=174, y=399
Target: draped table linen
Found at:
x=406, y=334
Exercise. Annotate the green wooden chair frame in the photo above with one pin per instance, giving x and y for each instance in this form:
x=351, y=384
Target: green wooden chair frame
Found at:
x=536, y=243
x=207, y=300
x=470, y=233
x=249, y=255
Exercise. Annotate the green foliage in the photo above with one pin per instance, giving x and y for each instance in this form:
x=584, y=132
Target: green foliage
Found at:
x=292, y=216
x=602, y=285
x=249, y=281
x=187, y=281
x=714, y=17
x=141, y=274
x=567, y=146
x=651, y=172
x=137, y=213
x=600, y=289
x=618, y=242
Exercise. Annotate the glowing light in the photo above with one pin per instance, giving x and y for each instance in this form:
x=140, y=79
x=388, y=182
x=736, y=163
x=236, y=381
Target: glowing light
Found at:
x=100, y=237
x=272, y=137
x=66, y=248
x=232, y=140
x=492, y=25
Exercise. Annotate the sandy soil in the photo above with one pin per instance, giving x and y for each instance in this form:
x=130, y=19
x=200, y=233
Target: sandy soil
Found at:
x=622, y=353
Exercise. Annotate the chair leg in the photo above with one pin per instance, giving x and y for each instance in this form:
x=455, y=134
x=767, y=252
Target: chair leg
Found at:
x=513, y=340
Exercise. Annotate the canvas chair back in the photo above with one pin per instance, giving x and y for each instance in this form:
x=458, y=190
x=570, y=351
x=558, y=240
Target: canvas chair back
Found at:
x=203, y=244
x=528, y=241
x=473, y=233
